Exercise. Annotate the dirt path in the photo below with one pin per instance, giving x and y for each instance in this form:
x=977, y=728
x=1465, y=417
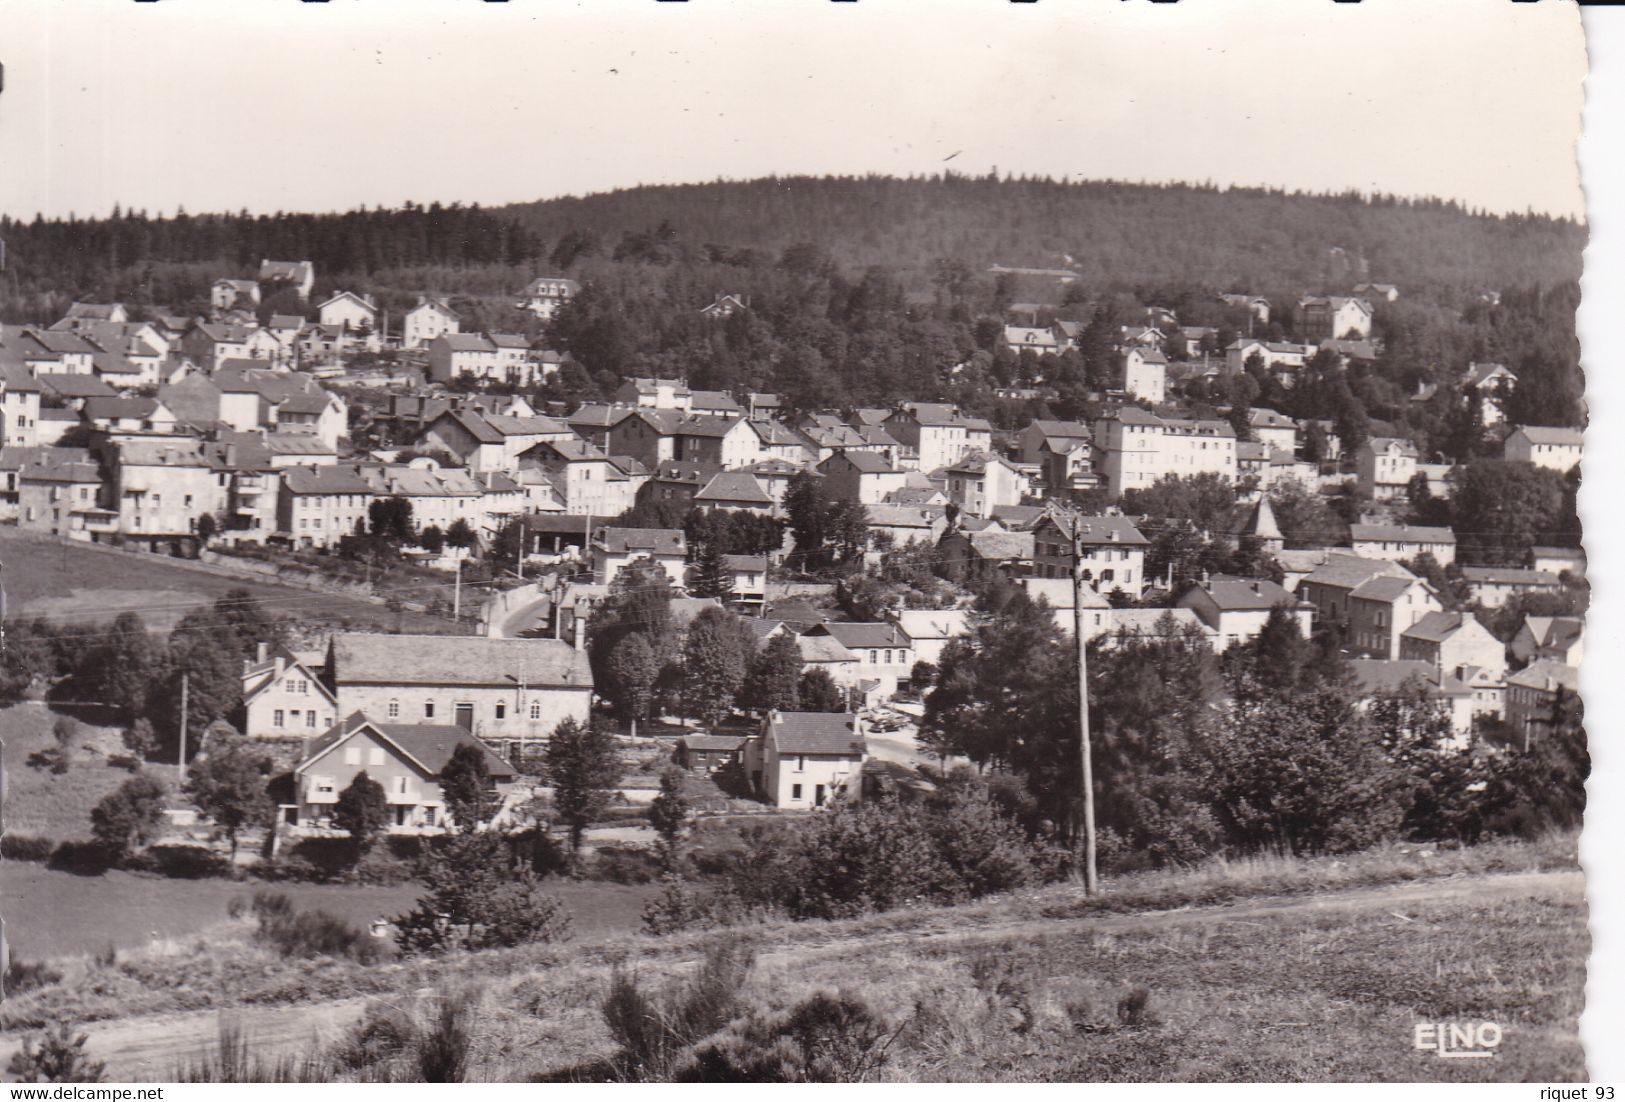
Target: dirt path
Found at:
x=149, y=1048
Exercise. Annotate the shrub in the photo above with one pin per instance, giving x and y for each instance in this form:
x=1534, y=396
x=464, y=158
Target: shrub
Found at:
x=59, y=1057
x=443, y=1049
x=129, y=815
x=383, y=1034
x=26, y=847
x=180, y=862
x=1133, y=1009
x=479, y=897
x=624, y=865
x=302, y=934
x=234, y=1061
x=655, y=1031
x=824, y=1039
x=23, y=976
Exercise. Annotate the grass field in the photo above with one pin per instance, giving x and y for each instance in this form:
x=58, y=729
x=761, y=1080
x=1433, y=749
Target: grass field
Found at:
x=53, y=914
x=1317, y=973
x=81, y=584
x=57, y=806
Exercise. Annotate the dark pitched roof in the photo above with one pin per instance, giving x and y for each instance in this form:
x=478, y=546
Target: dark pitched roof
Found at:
x=457, y=660
x=734, y=486
x=1247, y=594
x=617, y=541
x=882, y=634
x=814, y=733
x=430, y=746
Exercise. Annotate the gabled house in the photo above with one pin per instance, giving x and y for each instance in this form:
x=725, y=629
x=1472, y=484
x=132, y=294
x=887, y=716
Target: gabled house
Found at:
x=734, y=492
x=938, y=433
x=613, y=549
x=860, y=476
x=1549, y=639
x=1113, y=552
x=429, y=319
x=1378, y=679
x=804, y=760
x=903, y=525
x=1449, y=640
x=725, y=306
x=980, y=483
x=1555, y=448
x=284, y=696
x=1237, y=608
x=492, y=442
x=729, y=441
x=709, y=753
x=654, y=393
x=1322, y=317
x=930, y=630
x=1533, y=696
x=748, y=580
x=884, y=653
x=350, y=312
x=1375, y=600
x=317, y=506
x=1145, y=375
x=1488, y=384
x=405, y=759
x=545, y=296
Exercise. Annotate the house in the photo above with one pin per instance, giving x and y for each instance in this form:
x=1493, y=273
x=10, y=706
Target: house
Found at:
x=613, y=549
x=545, y=296
x=493, y=442
x=55, y=490
x=1385, y=467
x=211, y=346
x=826, y=653
x=734, y=492
x=1124, y=625
x=1385, y=291
x=972, y=556
x=725, y=306
x=19, y=406
x=119, y=414
x=1449, y=640
x=1274, y=430
x=655, y=393
x=748, y=579
x=585, y=480
x=764, y=407
x=1349, y=353
x=1493, y=586
x=1549, y=639
x=1113, y=551
x=883, y=651
x=1278, y=357
x=1383, y=679
x=902, y=525
x=1258, y=309
x=1375, y=599
x=860, y=476
x=506, y=692
x=1488, y=384
x=320, y=505
x=429, y=319
x=1555, y=448
x=297, y=274
x=456, y=355
x=228, y=294
x=1145, y=375
x=1238, y=608
x=1323, y=317
x=1397, y=542
x=284, y=402
x=284, y=696
x=162, y=488
x=724, y=440
x=1018, y=338
x=1134, y=449
x=97, y=311
x=709, y=753
x=804, y=760
x=405, y=759
x=1535, y=695
x=930, y=630
x=776, y=440
x=1559, y=560
x=349, y=311
x=939, y=434
x=718, y=402
x=1043, y=438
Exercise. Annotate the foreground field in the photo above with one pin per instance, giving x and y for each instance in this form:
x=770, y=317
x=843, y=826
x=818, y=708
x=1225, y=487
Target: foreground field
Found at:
x=1268, y=986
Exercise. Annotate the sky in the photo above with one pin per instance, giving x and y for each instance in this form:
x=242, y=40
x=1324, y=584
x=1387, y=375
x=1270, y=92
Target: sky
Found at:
x=275, y=104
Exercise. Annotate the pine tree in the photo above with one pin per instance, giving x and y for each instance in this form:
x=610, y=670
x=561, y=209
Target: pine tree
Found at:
x=774, y=676
x=709, y=577
x=584, y=766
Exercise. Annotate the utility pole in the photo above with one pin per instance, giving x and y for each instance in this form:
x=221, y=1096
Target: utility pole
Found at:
x=1091, y=883
x=457, y=594
x=185, y=676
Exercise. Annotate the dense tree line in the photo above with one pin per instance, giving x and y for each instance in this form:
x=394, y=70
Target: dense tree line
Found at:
x=1262, y=749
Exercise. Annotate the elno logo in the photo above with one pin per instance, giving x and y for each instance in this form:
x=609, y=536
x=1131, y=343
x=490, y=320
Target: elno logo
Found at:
x=1459, y=1040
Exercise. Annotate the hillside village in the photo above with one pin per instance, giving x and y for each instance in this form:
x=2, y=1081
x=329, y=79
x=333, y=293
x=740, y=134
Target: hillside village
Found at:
x=320, y=432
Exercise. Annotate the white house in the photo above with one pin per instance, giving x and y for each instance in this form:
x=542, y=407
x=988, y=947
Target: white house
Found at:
x=545, y=296
x=284, y=697
x=614, y=549
x=1145, y=375
x=1397, y=542
x=426, y=321
x=803, y=760
x=1555, y=448
x=1385, y=467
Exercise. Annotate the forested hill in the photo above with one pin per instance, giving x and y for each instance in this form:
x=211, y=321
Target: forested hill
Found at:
x=1118, y=234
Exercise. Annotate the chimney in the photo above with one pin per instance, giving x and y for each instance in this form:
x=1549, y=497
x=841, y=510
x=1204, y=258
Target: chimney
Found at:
x=1258, y=587
x=262, y=651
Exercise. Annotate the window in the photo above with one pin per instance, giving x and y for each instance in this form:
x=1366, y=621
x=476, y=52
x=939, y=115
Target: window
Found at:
x=400, y=786
x=502, y=711
x=535, y=709
x=310, y=719
x=276, y=718
x=375, y=756
x=428, y=709
x=324, y=785
x=352, y=755
x=394, y=709
x=795, y=792
x=801, y=763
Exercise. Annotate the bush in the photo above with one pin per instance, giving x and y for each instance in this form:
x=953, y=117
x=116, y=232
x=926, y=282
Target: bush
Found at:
x=384, y=1033
x=302, y=934
x=480, y=896
x=234, y=1061
x=23, y=976
x=824, y=1039
x=624, y=865
x=58, y=1058
x=26, y=847
x=181, y=862
x=655, y=1031
x=443, y=1049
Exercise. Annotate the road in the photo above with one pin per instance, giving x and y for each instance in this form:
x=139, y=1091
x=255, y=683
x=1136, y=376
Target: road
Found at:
x=150, y=1048
x=527, y=621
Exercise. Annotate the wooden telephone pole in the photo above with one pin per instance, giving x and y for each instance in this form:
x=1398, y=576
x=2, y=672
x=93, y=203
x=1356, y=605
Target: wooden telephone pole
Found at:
x=181, y=761
x=1091, y=884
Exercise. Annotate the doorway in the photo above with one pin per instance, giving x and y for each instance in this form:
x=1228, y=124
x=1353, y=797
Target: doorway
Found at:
x=465, y=716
